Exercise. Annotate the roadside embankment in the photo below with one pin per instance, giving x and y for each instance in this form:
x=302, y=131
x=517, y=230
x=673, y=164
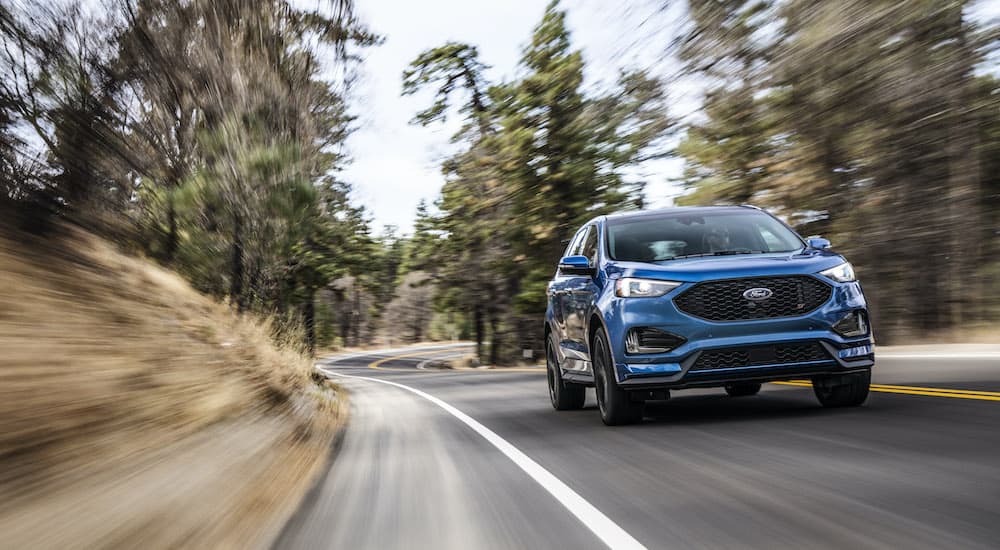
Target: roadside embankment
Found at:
x=136, y=412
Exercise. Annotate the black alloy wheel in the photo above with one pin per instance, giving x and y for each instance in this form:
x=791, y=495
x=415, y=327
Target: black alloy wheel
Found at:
x=564, y=395
x=616, y=405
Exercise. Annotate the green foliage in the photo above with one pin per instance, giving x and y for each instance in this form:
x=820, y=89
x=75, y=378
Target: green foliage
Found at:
x=211, y=127
x=864, y=121
x=419, y=251
x=542, y=155
x=451, y=66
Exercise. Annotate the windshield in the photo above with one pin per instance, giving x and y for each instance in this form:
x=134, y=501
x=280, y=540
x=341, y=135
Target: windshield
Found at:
x=680, y=235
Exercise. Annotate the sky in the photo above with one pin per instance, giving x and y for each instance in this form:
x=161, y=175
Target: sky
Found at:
x=396, y=164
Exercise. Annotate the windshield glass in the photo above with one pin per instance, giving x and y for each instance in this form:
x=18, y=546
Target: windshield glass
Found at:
x=687, y=234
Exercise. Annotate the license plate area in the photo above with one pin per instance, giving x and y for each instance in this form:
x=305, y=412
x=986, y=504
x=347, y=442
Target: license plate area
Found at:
x=763, y=355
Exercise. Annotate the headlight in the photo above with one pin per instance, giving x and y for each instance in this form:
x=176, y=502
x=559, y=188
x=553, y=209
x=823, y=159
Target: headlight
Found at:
x=843, y=273
x=643, y=288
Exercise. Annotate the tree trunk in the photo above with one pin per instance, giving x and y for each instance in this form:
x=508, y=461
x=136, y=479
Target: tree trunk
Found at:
x=170, y=250
x=478, y=324
x=495, y=335
x=343, y=316
x=356, y=314
x=309, y=312
x=964, y=194
x=236, y=265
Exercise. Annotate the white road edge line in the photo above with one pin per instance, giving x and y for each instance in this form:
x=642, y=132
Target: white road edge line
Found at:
x=601, y=525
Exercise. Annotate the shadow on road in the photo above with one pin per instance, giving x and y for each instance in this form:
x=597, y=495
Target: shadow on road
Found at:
x=702, y=409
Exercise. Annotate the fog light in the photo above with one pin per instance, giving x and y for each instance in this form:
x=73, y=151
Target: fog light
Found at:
x=853, y=324
x=856, y=352
x=651, y=340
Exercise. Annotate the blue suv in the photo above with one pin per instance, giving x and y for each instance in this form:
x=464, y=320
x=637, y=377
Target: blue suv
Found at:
x=647, y=302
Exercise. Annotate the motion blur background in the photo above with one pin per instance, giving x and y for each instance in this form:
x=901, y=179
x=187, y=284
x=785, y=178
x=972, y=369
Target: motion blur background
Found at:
x=211, y=138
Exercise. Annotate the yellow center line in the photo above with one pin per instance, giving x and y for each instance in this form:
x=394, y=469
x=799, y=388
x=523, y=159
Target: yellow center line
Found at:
x=915, y=390
x=938, y=390
x=882, y=388
x=377, y=364
x=941, y=394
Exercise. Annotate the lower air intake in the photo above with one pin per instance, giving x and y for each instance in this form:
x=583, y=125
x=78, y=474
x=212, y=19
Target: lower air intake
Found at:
x=780, y=354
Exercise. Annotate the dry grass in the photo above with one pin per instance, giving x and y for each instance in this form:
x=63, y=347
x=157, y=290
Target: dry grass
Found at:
x=135, y=412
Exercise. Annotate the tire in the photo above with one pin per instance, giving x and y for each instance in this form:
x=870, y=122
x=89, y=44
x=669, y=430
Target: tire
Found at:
x=743, y=389
x=564, y=396
x=846, y=390
x=617, y=408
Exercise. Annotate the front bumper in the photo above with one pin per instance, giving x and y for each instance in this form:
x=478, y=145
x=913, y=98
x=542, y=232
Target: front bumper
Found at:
x=683, y=375
x=676, y=369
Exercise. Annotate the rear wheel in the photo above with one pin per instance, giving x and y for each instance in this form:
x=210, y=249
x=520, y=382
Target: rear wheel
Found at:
x=742, y=389
x=564, y=396
x=845, y=390
x=617, y=406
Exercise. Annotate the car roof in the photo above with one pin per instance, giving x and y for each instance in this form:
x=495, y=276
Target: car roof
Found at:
x=655, y=213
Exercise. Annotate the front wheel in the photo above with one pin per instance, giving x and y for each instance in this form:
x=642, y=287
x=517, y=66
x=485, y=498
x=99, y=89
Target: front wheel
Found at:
x=564, y=396
x=617, y=406
x=846, y=390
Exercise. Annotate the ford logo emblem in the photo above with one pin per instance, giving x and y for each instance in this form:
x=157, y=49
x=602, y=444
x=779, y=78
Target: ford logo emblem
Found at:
x=757, y=294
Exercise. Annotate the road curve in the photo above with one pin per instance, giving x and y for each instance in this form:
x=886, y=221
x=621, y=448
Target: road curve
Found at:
x=913, y=468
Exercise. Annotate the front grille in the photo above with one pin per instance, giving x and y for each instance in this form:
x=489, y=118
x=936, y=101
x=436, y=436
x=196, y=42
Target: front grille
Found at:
x=724, y=300
x=779, y=354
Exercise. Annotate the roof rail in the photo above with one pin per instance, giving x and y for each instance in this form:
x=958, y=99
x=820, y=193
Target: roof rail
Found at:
x=751, y=206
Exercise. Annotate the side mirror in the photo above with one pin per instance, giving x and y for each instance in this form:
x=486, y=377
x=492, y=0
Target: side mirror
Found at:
x=817, y=242
x=576, y=265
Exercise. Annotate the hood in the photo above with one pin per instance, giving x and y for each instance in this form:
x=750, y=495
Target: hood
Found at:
x=729, y=267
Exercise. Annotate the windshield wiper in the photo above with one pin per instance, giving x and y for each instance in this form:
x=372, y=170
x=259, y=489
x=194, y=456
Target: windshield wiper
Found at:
x=716, y=253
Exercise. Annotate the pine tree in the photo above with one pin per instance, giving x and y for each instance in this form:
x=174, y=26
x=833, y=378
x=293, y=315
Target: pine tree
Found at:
x=542, y=155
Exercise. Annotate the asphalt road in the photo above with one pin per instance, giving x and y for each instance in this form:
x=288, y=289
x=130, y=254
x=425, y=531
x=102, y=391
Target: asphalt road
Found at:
x=917, y=467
